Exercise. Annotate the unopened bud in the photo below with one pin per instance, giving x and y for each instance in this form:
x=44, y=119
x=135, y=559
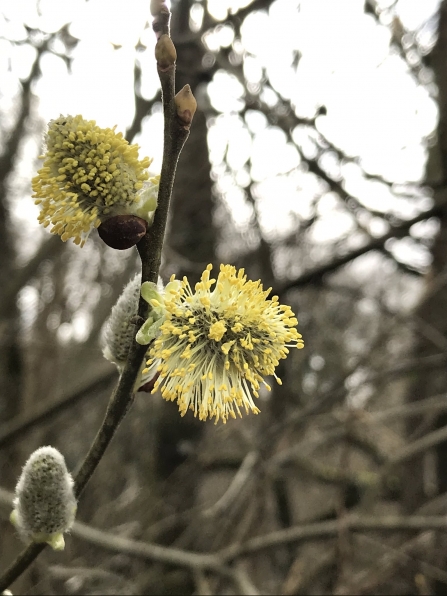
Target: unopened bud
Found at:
x=44, y=505
x=186, y=105
x=119, y=330
x=157, y=6
x=165, y=52
x=122, y=231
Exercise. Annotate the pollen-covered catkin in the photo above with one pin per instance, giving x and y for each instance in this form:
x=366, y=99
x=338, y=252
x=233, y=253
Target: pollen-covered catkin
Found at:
x=216, y=344
x=90, y=174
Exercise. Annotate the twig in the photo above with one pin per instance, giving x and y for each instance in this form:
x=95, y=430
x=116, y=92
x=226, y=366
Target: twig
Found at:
x=64, y=573
x=142, y=107
x=316, y=274
x=202, y=585
x=244, y=582
x=238, y=482
x=150, y=247
x=321, y=471
x=218, y=561
x=369, y=580
x=20, y=424
x=433, y=361
x=385, y=566
x=426, y=442
x=287, y=121
x=397, y=32
x=438, y=403
x=304, y=569
x=24, y=274
x=331, y=528
x=144, y=550
x=236, y=17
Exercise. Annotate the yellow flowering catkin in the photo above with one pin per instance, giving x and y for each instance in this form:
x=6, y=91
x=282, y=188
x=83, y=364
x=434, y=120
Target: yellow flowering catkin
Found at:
x=89, y=174
x=216, y=346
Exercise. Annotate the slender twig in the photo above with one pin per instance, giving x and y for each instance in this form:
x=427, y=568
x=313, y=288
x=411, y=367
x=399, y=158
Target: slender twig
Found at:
x=45, y=412
x=218, y=561
x=23, y=275
x=21, y=564
x=437, y=403
x=239, y=481
x=143, y=550
x=367, y=581
x=426, y=442
x=150, y=248
x=331, y=528
x=315, y=274
x=321, y=471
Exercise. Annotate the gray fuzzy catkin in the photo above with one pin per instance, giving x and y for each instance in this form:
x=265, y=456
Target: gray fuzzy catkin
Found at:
x=44, y=501
x=119, y=331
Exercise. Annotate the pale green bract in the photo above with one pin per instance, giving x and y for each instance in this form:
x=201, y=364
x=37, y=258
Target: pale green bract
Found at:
x=150, y=292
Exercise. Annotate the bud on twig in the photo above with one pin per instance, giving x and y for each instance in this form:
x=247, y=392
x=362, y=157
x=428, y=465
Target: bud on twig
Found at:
x=45, y=505
x=161, y=15
x=119, y=330
x=165, y=52
x=122, y=231
x=186, y=105
x=157, y=6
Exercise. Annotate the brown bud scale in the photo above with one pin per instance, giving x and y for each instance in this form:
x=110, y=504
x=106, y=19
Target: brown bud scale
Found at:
x=147, y=387
x=122, y=231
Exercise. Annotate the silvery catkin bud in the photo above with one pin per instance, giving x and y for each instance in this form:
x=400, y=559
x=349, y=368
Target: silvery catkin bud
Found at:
x=44, y=505
x=119, y=330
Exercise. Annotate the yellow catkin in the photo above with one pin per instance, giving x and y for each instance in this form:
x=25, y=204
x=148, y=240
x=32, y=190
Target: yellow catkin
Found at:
x=88, y=174
x=218, y=343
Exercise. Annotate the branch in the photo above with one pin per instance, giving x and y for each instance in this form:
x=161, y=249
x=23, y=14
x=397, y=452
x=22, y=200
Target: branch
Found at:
x=9, y=155
x=12, y=144
x=369, y=580
x=218, y=561
x=23, y=275
x=388, y=523
x=437, y=403
x=150, y=248
x=176, y=131
x=426, y=442
x=315, y=275
x=397, y=32
x=286, y=120
x=321, y=471
x=237, y=17
x=145, y=550
x=20, y=424
x=142, y=106
x=238, y=482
